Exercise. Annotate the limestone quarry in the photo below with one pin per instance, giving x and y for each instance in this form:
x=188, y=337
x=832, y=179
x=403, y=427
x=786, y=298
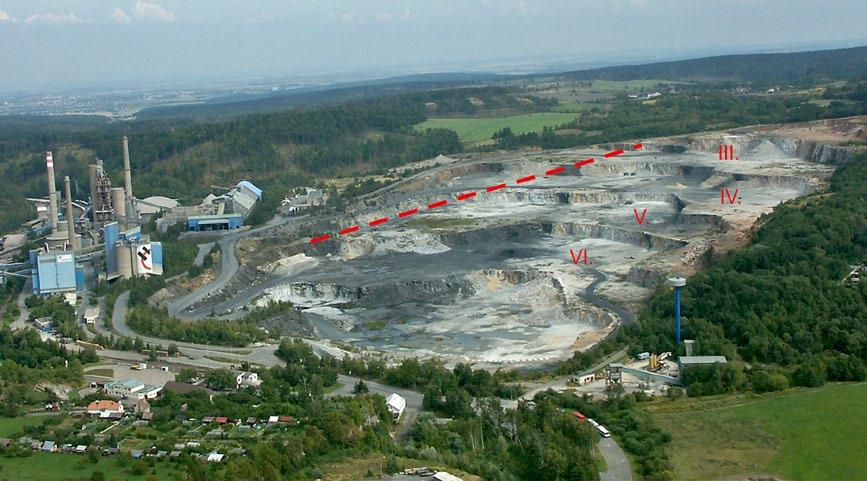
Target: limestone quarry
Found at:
x=493, y=280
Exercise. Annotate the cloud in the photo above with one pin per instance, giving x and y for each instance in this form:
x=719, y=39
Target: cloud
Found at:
x=345, y=17
x=408, y=15
x=120, y=16
x=52, y=18
x=261, y=18
x=383, y=17
x=517, y=7
x=152, y=11
x=5, y=17
x=350, y=17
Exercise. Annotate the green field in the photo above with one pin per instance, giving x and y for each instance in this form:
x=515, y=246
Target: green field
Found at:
x=10, y=426
x=473, y=131
x=816, y=434
x=58, y=467
x=576, y=107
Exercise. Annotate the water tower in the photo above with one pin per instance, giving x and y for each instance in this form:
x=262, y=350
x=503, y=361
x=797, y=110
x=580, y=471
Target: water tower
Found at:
x=677, y=283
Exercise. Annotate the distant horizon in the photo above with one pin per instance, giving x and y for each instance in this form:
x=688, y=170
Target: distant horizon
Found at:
x=52, y=46
x=498, y=66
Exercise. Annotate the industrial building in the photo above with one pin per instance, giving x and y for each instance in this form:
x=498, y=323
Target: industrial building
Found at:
x=131, y=389
x=685, y=362
x=298, y=203
x=55, y=272
x=216, y=212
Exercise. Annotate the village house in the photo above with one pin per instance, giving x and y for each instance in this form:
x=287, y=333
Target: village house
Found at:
x=98, y=408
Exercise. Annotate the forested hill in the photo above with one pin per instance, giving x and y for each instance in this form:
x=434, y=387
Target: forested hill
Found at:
x=760, y=69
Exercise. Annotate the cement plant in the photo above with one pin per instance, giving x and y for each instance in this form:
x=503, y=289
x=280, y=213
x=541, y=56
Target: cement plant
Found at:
x=494, y=241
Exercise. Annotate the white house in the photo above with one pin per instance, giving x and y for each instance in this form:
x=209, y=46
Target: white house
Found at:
x=215, y=457
x=91, y=314
x=396, y=405
x=245, y=379
x=104, y=407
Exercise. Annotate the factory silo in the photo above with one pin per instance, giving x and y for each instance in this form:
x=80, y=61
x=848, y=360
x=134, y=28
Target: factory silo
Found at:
x=118, y=201
x=124, y=260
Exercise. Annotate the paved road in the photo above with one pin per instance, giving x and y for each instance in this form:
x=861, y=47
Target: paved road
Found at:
x=615, y=458
x=228, y=269
x=229, y=266
x=204, y=249
x=21, y=322
x=590, y=295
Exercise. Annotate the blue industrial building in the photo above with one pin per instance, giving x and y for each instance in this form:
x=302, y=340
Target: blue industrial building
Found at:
x=215, y=222
x=55, y=272
x=229, y=210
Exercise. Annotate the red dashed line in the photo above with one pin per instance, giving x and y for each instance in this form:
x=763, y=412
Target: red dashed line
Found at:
x=320, y=238
x=555, y=171
x=467, y=195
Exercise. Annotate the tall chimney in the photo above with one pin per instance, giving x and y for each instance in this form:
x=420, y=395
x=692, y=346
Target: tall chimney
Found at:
x=127, y=179
x=91, y=172
x=74, y=244
x=52, y=192
x=127, y=175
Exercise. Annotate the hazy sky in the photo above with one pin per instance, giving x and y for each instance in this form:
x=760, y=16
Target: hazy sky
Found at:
x=63, y=42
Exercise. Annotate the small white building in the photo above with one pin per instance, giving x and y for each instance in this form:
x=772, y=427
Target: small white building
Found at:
x=70, y=298
x=396, y=405
x=245, y=379
x=584, y=379
x=91, y=315
x=215, y=457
